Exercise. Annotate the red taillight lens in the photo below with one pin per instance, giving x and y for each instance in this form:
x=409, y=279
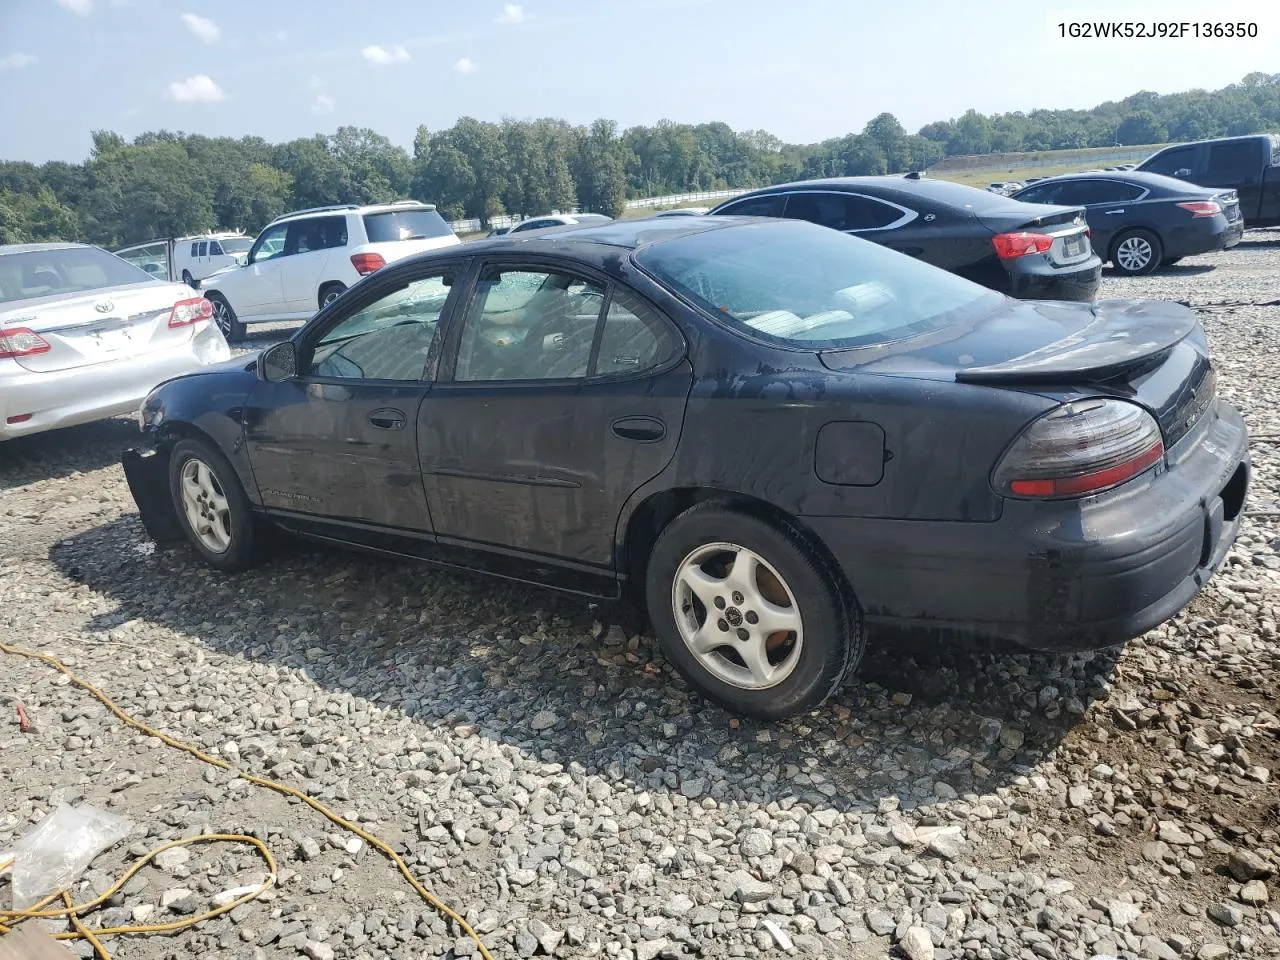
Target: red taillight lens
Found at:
x=187, y=312
x=1202, y=208
x=366, y=263
x=1080, y=448
x=1010, y=246
x=21, y=342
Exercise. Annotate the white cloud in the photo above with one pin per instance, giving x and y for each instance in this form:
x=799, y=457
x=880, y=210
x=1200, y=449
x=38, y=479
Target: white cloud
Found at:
x=383, y=56
x=465, y=66
x=323, y=103
x=197, y=89
x=206, y=30
x=511, y=13
x=82, y=7
x=16, y=61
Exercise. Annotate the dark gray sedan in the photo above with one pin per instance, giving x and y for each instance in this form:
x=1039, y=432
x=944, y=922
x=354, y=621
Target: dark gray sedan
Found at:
x=1142, y=221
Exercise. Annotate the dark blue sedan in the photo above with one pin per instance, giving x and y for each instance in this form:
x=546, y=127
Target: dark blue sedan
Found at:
x=770, y=435
x=1143, y=221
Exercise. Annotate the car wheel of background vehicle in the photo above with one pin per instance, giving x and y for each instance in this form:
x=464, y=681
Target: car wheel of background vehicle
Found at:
x=188, y=279
x=225, y=317
x=749, y=613
x=1136, y=252
x=329, y=293
x=212, y=506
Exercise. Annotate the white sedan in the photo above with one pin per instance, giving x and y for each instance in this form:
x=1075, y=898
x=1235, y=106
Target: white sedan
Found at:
x=85, y=336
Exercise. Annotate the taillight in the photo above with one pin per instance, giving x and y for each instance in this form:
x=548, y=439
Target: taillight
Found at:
x=1202, y=208
x=1010, y=246
x=1078, y=449
x=366, y=263
x=187, y=312
x=21, y=342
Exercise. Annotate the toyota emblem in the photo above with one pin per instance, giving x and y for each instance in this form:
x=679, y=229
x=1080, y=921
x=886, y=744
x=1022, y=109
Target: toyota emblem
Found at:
x=104, y=306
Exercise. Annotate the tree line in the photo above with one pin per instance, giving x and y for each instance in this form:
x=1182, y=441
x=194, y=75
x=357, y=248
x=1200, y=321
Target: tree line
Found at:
x=165, y=183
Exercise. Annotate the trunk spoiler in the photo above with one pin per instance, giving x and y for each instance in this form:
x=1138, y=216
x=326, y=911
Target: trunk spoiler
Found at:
x=1121, y=337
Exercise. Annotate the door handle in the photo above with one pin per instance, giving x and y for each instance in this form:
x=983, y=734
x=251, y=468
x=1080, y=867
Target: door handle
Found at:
x=1109, y=212
x=641, y=429
x=387, y=418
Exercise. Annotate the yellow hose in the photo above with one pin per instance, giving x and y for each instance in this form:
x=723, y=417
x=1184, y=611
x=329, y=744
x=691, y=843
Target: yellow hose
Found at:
x=74, y=911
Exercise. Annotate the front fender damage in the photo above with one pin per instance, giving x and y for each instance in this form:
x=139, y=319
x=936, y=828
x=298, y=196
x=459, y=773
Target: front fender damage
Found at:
x=147, y=472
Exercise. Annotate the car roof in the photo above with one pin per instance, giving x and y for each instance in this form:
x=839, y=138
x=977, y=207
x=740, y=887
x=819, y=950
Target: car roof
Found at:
x=587, y=239
x=1139, y=178
x=897, y=187
x=9, y=248
x=357, y=208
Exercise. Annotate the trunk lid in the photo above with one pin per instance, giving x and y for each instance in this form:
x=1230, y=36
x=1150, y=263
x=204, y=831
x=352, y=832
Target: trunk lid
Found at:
x=96, y=326
x=1067, y=226
x=1150, y=351
x=1230, y=203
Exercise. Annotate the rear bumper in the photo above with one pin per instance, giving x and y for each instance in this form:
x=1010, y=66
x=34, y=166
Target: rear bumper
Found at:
x=113, y=388
x=1034, y=278
x=1059, y=576
x=1205, y=236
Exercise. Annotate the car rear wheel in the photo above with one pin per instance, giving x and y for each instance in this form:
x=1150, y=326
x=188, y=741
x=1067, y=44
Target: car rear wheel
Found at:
x=212, y=507
x=749, y=614
x=1136, y=252
x=189, y=280
x=225, y=317
x=329, y=293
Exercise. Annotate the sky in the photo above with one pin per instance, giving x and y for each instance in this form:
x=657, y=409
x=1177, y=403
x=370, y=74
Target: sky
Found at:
x=804, y=70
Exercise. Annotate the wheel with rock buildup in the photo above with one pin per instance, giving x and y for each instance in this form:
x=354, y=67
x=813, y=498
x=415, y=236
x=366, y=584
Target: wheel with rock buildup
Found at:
x=750, y=613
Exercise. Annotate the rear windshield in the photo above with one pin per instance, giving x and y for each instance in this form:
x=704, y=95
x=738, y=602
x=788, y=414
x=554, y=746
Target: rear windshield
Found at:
x=799, y=284
x=405, y=225
x=47, y=273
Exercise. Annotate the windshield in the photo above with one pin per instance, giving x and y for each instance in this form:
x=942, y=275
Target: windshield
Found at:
x=48, y=273
x=405, y=225
x=236, y=245
x=795, y=283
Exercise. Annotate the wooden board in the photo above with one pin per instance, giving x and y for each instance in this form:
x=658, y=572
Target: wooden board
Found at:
x=29, y=942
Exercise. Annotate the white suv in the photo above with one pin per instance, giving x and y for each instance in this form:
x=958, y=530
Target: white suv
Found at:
x=303, y=260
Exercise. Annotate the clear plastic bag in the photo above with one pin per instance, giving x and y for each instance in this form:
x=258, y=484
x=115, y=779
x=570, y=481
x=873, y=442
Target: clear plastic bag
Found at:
x=58, y=849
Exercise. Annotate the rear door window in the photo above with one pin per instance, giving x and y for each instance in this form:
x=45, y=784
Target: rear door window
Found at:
x=316, y=233
x=393, y=225
x=768, y=206
x=841, y=211
x=1235, y=161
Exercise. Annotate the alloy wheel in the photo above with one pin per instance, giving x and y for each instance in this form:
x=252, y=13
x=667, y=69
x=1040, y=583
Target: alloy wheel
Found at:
x=1134, y=254
x=737, y=616
x=205, y=505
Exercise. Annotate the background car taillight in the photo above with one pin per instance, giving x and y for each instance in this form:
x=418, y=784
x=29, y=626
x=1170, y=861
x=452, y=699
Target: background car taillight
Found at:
x=1080, y=448
x=1202, y=208
x=1010, y=246
x=187, y=312
x=21, y=342
x=366, y=263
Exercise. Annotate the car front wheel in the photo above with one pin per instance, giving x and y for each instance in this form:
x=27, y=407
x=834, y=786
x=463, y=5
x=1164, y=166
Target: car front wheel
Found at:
x=225, y=317
x=212, y=507
x=750, y=614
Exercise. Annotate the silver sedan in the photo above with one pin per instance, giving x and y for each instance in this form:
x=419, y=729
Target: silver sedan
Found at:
x=85, y=336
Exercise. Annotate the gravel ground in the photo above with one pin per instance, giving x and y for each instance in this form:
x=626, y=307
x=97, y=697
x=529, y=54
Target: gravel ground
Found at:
x=542, y=768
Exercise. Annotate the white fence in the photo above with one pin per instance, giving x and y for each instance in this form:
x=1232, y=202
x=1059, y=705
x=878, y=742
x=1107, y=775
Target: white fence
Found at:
x=671, y=200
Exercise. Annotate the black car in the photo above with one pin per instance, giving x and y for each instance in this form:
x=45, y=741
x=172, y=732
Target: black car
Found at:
x=1140, y=221
x=771, y=435
x=1025, y=250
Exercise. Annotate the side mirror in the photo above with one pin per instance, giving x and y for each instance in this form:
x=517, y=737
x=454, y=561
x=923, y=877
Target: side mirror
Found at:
x=279, y=363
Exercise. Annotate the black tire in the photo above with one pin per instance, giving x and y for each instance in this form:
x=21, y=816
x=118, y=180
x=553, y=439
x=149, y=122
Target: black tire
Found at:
x=831, y=625
x=1136, y=252
x=188, y=279
x=242, y=549
x=329, y=292
x=225, y=317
